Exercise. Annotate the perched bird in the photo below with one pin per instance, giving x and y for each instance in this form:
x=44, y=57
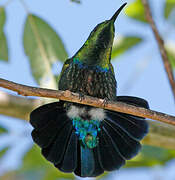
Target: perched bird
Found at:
x=84, y=139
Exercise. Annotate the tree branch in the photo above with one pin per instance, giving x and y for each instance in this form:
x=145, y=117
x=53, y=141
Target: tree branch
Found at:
x=17, y=107
x=92, y=101
x=160, y=42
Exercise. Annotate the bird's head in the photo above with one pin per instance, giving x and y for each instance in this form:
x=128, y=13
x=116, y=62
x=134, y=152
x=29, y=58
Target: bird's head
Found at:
x=98, y=47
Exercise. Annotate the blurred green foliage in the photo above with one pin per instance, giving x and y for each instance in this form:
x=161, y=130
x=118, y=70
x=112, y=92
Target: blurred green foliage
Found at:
x=3, y=150
x=169, y=7
x=2, y=17
x=44, y=47
x=171, y=56
x=2, y=129
x=3, y=41
x=151, y=156
x=135, y=10
x=76, y=1
x=122, y=44
x=34, y=162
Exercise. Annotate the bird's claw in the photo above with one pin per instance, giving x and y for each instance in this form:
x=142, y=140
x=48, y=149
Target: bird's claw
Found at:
x=105, y=101
x=81, y=96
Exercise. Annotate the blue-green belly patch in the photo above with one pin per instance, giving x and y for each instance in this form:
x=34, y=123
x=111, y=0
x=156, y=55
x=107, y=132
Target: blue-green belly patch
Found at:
x=87, y=131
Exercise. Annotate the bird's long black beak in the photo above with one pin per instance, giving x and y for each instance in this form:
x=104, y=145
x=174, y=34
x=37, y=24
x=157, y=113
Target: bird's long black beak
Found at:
x=114, y=17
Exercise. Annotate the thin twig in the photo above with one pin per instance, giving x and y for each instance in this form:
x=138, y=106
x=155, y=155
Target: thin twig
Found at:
x=92, y=101
x=160, y=42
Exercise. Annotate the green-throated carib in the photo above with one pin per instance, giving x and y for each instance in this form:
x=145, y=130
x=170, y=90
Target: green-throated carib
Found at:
x=84, y=139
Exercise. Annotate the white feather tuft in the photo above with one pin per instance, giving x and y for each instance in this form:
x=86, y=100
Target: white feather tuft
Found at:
x=97, y=114
x=73, y=112
x=94, y=113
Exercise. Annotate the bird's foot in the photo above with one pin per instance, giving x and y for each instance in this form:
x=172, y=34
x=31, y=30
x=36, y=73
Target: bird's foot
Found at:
x=105, y=101
x=81, y=96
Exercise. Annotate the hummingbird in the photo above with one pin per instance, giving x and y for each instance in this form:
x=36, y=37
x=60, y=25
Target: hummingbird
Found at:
x=83, y=139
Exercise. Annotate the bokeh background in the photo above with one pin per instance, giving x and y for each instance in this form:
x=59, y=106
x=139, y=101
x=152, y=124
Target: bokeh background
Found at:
x=63, y=27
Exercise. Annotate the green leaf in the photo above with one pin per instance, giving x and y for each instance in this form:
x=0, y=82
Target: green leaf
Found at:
x=3, y=47
x=35, y=163
x=3, y=41
x=169, y=6
x=121, y=45
x=151, y=156
x=170, y=48
x=171, y=56
x=43, y=47
x=2, y=18
x=2, y=152
x=135, y=10
x=2, y=129
x=76, y=1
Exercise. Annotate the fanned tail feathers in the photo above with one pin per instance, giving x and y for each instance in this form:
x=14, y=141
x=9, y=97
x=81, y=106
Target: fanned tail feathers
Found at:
x=118, y=139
